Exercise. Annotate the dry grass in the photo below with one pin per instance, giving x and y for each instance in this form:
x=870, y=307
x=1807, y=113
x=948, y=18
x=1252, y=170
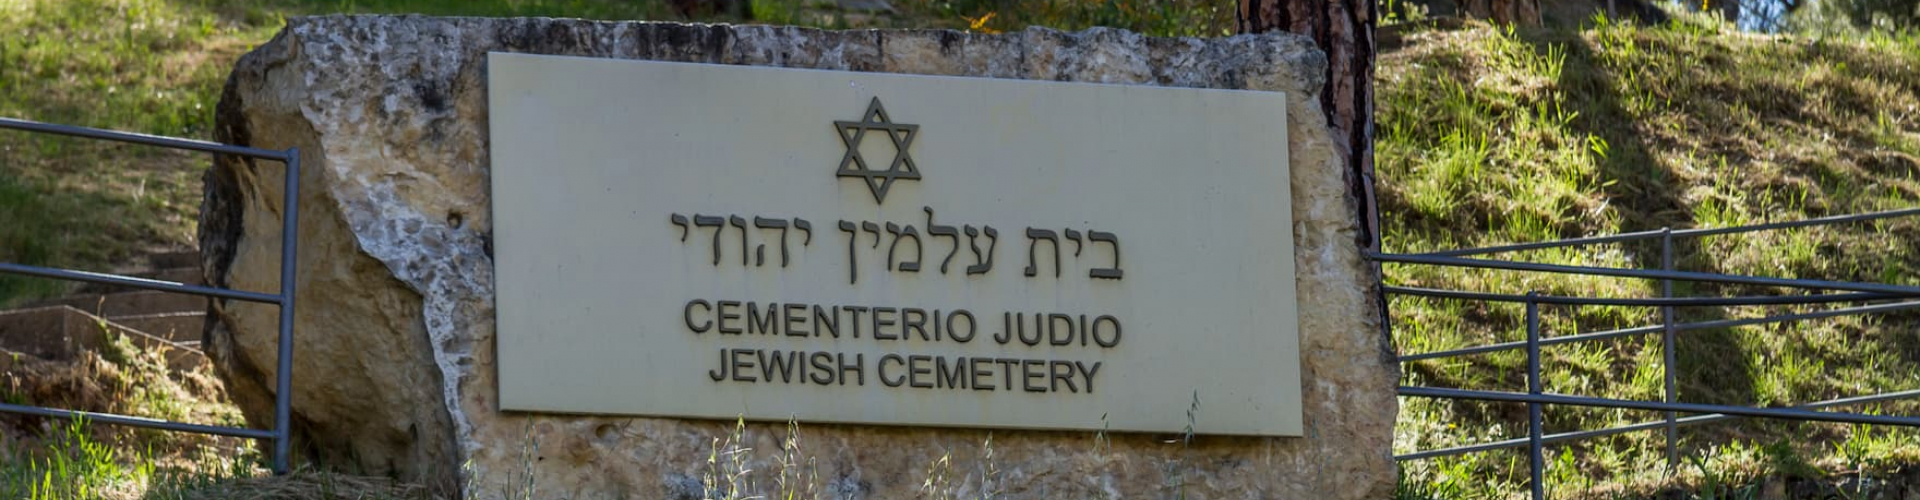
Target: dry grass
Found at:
x=47, y=458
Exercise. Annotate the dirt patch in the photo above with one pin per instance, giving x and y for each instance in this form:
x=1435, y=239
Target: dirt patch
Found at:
x=117, y=379
x=306, y=485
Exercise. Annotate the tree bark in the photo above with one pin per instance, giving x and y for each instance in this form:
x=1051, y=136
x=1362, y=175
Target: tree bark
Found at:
x=1344, y=29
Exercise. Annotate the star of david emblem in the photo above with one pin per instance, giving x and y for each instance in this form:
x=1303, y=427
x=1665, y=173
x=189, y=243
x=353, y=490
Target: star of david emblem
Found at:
x=854, y=165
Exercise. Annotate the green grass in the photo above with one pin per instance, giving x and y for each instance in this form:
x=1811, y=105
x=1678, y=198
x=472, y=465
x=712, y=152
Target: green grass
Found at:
x=1490, y=136
x=73, y=463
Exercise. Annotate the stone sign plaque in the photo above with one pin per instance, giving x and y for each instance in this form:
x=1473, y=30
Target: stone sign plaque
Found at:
x=706, y=241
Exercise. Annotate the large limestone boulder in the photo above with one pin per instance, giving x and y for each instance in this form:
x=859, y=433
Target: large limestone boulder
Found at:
x=394, y=367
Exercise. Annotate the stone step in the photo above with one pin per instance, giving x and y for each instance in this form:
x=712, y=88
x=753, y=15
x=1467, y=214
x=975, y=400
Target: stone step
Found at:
x=181, y=327
x=59, y=333
x=131, y=303
x=187, y=275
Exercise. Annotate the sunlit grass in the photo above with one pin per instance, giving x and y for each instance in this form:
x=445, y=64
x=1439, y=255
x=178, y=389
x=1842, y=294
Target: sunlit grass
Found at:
x=1491, y=136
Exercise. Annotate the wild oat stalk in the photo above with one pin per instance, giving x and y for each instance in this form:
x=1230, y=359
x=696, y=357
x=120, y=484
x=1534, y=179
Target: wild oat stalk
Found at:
x=1176, y=470
x=938, y=485
x=529, y=449
x=988, y=489
x=796, y=481
x=727, y=476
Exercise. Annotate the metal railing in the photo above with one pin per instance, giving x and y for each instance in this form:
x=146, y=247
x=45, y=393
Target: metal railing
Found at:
x=289, y=237
x=1535, y=397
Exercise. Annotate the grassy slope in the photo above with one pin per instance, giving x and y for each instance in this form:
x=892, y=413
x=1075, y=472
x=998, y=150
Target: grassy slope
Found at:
x=1490, y=136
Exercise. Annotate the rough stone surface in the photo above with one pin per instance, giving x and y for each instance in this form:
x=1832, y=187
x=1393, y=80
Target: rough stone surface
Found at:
x=395, y=357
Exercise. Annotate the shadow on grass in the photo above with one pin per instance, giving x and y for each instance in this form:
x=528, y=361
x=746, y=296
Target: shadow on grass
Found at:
x=1649, y=196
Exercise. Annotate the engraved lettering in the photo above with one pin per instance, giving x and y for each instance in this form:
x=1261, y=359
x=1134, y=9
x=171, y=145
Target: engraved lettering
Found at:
x=826, y=320
x=1055, y=334
x=982, y=379
x=681, y=220
x=898, y=234
x=983, y=262
x=762, y=324
x=772, y=363
x=1112, y=338
x=1034, y=235
x=804, y=227
x=1113, y=272
x=1088, y=373
x=853, y=262
x=953, y=332
x=741, y=363
x=717, y=223
x=915, y=320
x=1006, y=329
x=859, y=361
x=952, y=234
x=1006, y=370
x=856, y=311
x=871, y=227
x=882, y=367
x=1020, y=325
x=741, y=223
x=726, y=316
x=796, y=320
x=917, y=366
x=879, y=323
x=1061, y=371
x=822, y=368
x=952, y=376
x=688, y=314
x=781, y=224
x=1028, y=374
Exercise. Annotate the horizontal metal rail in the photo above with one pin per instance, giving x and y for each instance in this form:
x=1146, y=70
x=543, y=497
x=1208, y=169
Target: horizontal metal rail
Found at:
x=282, y=433
x=138, y=138
x=1703, y=325
x=1756, y=300
x=1535, y=398
x=1643, y=235
x=141, y=283
x=1744, y=411
x=131, y=421
x=1891, y=290
x=1697, y=419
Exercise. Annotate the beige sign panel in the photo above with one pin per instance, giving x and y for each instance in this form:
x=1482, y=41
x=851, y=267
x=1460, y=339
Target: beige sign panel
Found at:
x=705, y=241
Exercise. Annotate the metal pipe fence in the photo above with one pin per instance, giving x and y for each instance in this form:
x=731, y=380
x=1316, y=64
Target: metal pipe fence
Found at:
x=281, y=434
x=1535, y=398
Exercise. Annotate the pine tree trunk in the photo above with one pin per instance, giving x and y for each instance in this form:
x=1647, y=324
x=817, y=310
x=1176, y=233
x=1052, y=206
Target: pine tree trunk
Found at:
x=1344, y=29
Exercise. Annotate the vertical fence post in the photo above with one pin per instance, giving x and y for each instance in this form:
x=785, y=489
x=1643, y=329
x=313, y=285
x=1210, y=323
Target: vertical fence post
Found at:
x=283, y=385
x=1536, y=458
x=1667, y=349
